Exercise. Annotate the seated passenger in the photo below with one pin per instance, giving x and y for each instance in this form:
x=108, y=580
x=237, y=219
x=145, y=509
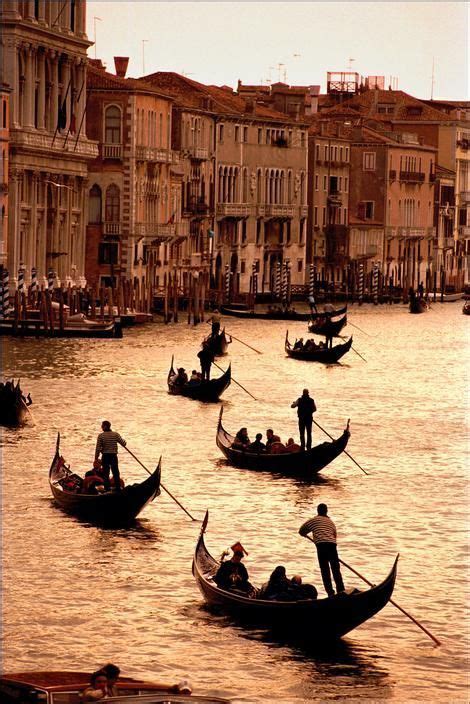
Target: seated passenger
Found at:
x=271, y=438
x=232, y=574
x=241, y=440
x=179, y=379
x=303, y=591
x=194, y=379
x=97, y=689
x=291, y=446
x=94, y=479
x=257, y=445
x=278, y=448
x=299, y=344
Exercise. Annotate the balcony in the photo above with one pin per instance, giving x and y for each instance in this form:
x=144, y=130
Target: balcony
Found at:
x=112, y=151
x=416, y=232
x=111, y=228
x=273, y=210
x=303, y=211
x=46, y=142
x=464, y=196
x=198, y=153
x=197, y=206
x=392, y=175
x=234, y=210
x=156, y=154
x=412, y=176
x=448, y=243
x=371, y=250
x=334, y=199
x=155, y=230
x=464, y=231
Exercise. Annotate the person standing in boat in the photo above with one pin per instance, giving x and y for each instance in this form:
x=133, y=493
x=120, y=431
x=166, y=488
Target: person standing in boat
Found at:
x=215, y=320
x=305, y=409
x=323, y=532
x=107, y=445
x=206, y=357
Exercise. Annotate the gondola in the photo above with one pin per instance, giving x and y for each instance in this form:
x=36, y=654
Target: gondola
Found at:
x=329, y=313
x=466, y=308
x=205, y=391
x=274, y=314
x=14, y=411
x=35, y=328
x=109, y=508
x=418, y=305
x=218, y=343
x=327, y=355
x=313, y=620
x=303, y=464
x=327, y=326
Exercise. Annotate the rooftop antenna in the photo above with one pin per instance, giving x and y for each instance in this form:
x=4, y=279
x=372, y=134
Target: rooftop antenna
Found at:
x=279, y=68
x=351, y=61
x=95, y=19
x=144, y=41
x=432, y=79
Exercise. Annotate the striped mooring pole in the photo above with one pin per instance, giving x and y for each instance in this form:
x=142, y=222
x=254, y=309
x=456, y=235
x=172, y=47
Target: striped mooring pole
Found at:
x=50, y=281
x=21, y=279
x=255, y=281
x=6, y=294
x=285, y=281
x=375, y=284
x=277, y=280
x=227, y=282
x=361, y=283
x=34, y=280
x=311, y=286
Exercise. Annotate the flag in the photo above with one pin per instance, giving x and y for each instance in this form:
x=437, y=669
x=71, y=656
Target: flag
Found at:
x=62, y=114
x=210, y=233
x=171, y=219
x=73, y=124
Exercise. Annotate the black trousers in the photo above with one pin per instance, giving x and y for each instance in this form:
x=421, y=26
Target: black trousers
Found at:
x=328, y=558
x=215, y=329
x=110, y=462
x=305, y=424
x=206, y=371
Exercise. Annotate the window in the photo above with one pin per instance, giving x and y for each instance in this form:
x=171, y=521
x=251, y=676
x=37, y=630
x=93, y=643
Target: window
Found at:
x=108, y=253
x=317, y=152
x=366, y=209
x=237, y=133
x=300, y=265
x=345, y=184
x=324, y=217
x=341, y=153
x=315, y=216
x=112, y=203
x=243, y=232
x=326, y=152
x=260, y=135
x=316, y=182
x=346, y=157
x=302, y=139
x=245, y=134
x=221, y=133
x=112, y=125
x=368, y=163
x=324, y=182
x=242, y=266
x=302, y=231
x=258, y=231
x=94, y=205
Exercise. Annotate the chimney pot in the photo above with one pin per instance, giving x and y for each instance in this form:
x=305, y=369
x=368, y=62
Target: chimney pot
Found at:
x=120, y=64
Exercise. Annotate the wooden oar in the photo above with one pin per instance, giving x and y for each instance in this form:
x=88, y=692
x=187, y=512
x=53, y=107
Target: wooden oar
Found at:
x=360, y=329
x=397, y=606
x=244, y=343
x=343, y=337
x=164, y=488
x=346, y=453
x=236, y=382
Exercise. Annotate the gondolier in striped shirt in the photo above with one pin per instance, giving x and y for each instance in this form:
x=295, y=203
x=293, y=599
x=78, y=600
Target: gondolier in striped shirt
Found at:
x=107, y=444
x=323, y=532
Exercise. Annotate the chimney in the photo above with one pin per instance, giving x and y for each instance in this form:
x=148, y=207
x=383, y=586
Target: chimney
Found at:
x=250, y=105
x=120, y=64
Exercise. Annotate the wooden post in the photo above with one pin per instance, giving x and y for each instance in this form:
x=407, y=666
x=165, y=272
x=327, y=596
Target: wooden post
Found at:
x=166, y=292
x=101, y=302
x=190, y=291
x=119, y=298
x=50, y=312
x=93, y=302
x=61, y=309
x=110, y=303
x=175, y=297
x=203, y=294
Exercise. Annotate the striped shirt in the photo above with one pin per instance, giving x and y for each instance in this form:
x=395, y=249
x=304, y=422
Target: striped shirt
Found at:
x=107, y=443
x=322, y=528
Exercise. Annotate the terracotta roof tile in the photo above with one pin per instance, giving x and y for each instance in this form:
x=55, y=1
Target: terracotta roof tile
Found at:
x=406, y=107
x=100, y=79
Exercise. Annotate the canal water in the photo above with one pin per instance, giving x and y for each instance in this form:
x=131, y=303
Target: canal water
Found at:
x=77, y=596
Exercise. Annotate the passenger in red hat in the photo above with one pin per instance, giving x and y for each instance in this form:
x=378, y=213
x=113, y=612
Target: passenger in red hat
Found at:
x=232, y=574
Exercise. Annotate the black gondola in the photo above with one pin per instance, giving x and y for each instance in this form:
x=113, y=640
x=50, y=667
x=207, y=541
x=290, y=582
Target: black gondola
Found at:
x=329, y=313
x=274, y=314
x=205, y=390
x=218, y=343
x=327, y=355
x=311, y=619
x=14, y=411
x=466, y=308
x=326, y=326
x=290, y=464
x=109, y=508
x=418, y=305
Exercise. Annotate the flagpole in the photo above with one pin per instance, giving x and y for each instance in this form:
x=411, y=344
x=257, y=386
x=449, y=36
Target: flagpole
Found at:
x=60, y=110
x=89, y=91
x=71, y=115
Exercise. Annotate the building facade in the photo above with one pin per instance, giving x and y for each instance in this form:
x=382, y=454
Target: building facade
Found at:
x=4, y=147
x=44, y=62
x=134, y=198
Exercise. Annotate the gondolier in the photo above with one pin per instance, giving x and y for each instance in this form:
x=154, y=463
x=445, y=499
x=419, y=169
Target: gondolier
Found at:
x=323, y=532
x=305, y=409
x=107, y=444
x=215, y=320
x=206, y=357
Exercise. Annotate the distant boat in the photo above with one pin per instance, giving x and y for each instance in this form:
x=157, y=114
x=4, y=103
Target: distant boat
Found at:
x=218, y=343
x=273, y=314
x=418, y=305
x=327, y=355
x=205, y=390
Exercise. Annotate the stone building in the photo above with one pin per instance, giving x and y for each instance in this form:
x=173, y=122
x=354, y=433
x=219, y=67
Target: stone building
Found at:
x=257, y=174
x=134, y=198
x=44, y=47
x=4, y=147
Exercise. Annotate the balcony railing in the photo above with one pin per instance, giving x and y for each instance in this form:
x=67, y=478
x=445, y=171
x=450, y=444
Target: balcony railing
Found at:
x=155, y=229
x=465, y=196
x=111, y=228
x=40, y=141
x=112, y=151
x=392, y=174
x=448, y=243
x=412, y=176
x=276, y=210
x=198, y=152
x=234, y=209
x=464, y=231
x=158, y=154
x=369, y=251
x=196, y=206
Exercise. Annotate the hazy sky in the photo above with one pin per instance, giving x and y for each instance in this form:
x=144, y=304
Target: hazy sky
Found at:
x=220, y=42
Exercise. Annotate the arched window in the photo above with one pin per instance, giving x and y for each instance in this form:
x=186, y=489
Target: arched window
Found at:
x=94, y=204
x=259, y=188
x=112, y=125
x=112, y=203
x=289, y=187
x=245, y=186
